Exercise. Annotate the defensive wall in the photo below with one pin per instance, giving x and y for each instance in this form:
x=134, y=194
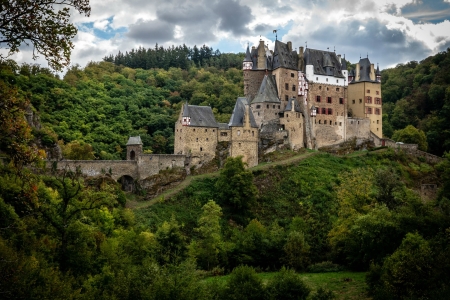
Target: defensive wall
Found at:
x=146, y=165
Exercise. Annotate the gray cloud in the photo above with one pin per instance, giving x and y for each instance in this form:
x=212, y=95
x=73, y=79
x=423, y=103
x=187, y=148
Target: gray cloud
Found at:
x=434, y=11
x=383, y=45
x=154, y=31
x=233, y=16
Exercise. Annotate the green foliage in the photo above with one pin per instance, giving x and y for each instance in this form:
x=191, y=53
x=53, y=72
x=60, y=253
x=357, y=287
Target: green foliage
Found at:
x=243, y=284
x=77, y=150
x=323, y=294
x=411, y=135
x=235, y=186
x=172, y=242
x=47, y=27
x=323, y=267
x=296, y=250
x=286, y=284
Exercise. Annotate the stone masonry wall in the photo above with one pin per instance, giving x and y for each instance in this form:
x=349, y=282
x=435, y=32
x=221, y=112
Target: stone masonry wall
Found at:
x=252, y=82
x=151, y=164
x=293, y=124
x=245, y=144
x=117, y=168
x=358, y=128
x=265, y=112
x=287, y=84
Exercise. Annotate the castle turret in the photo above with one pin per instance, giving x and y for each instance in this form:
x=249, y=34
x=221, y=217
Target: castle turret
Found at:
x=378, y=74
x=247, y=63
x=134, y=147
x=345, y=71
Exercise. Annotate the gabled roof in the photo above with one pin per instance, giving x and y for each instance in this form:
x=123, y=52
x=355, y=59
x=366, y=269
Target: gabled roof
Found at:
x=378, y=73
x=223, y=126
x=237, y=118
x=283, y=58
x=324, y=62
x=292, y=103
x=200, y=116
x=267, y=91
x=134, y=140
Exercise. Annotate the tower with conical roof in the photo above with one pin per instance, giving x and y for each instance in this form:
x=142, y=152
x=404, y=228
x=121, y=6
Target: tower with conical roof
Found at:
x=247, y=64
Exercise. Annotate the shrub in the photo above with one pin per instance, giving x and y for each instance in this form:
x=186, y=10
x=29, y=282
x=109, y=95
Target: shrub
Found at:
x=244, y=284
x=287, y=285
x=323, y=294
x=325, y=266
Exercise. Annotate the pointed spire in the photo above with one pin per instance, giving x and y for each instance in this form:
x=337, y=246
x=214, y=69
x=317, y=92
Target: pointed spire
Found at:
x=344, y=64
x=185, y=110
x=248, y=56
x=378, y=73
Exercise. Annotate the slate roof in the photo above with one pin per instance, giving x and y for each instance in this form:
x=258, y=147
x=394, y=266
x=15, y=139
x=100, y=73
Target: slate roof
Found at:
x=343, y=64
x=283, y=58
x=292, y=103
x=377, y=72
x=324, y=62
x=248, y=56
x=134, y=140
x=237, y=117
x=364, y=71
x=200, y=116
x=267, y=91
x=223, y=126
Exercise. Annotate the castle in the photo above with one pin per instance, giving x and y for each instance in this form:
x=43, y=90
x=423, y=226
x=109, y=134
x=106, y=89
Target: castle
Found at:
x=306, y=99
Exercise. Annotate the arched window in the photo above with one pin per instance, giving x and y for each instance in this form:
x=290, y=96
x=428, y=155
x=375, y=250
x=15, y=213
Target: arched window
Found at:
x=132, y=155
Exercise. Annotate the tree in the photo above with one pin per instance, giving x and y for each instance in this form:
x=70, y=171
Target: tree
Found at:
x=235, y=185
x=287, y=285
x=43, y=23
x=207, y=248
x=244, y=284
x=412, y=135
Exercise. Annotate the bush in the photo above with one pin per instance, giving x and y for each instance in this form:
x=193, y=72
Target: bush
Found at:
x=323, y=294
x=244, y=284
x=287, y=285
x=325, y=266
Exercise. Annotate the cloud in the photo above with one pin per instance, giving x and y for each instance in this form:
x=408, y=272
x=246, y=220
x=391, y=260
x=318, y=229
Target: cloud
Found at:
x=153, y=31
x=426, y=11
x=233, y=16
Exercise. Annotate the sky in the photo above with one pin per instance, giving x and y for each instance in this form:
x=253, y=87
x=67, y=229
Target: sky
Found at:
x=387, y=31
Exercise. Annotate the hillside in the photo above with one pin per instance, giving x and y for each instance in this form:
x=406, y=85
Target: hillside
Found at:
x=418, y=94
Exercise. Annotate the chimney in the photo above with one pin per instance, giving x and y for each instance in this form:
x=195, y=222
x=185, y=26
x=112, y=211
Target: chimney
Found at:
x=253, y=48
x=339, y=58
x=289, y=45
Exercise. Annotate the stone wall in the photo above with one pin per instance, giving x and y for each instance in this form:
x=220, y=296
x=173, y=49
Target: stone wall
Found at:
x=117, y=168
x=358, y=128
x=151, y=164
x=287, y=84
x=245, y=143
x=293, y=124
x=265, y=112
x=252, y=82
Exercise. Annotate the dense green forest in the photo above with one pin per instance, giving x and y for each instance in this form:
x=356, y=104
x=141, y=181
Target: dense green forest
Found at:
x=418, y=94
x=103, y=104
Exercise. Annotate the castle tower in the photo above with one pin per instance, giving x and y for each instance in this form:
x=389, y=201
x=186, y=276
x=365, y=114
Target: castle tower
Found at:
x=134, y=148
x=247, y=64
x=378, y=74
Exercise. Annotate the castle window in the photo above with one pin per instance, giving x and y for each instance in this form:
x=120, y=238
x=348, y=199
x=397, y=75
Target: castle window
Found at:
x=328, y=99
x=267, y=106
x=377, y=111
x=223, y=134
x=132, y=155
x=253, y=133
x=324, y=122
x=239, y=144
x=320, y=87
x=378, y=121
x=358, y=122
x=293, y=88
x=318, y=98
x=377, y=92
x=317, y=78
x=286, y=86
x=340, y=123
x=273, y=106
x=196, y=139
x=214, y=130
x=337, y=80
x=278, y=107
x=258, y=106
x=353, y=101
x=239, y=132
x=194, y=129
x=337, y=89
x=368, y=99
x=292, y=74
x=368, y=91
x=327, y=79
x=327, y=87
x=286, y=98
x=360, y=100
x=201, y=149
x=341, y=100
x=320, y=121
x=207, y=139
x=206, y=130
x=352, y=122
x=181, y=130
x=377, y=100
x=324, y=111
x=335, y=123
x=287, y=115
x=330, y=111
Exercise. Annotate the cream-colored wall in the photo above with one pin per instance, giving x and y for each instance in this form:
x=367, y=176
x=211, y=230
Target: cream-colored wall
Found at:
x=358, y=91
x=266, y=112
